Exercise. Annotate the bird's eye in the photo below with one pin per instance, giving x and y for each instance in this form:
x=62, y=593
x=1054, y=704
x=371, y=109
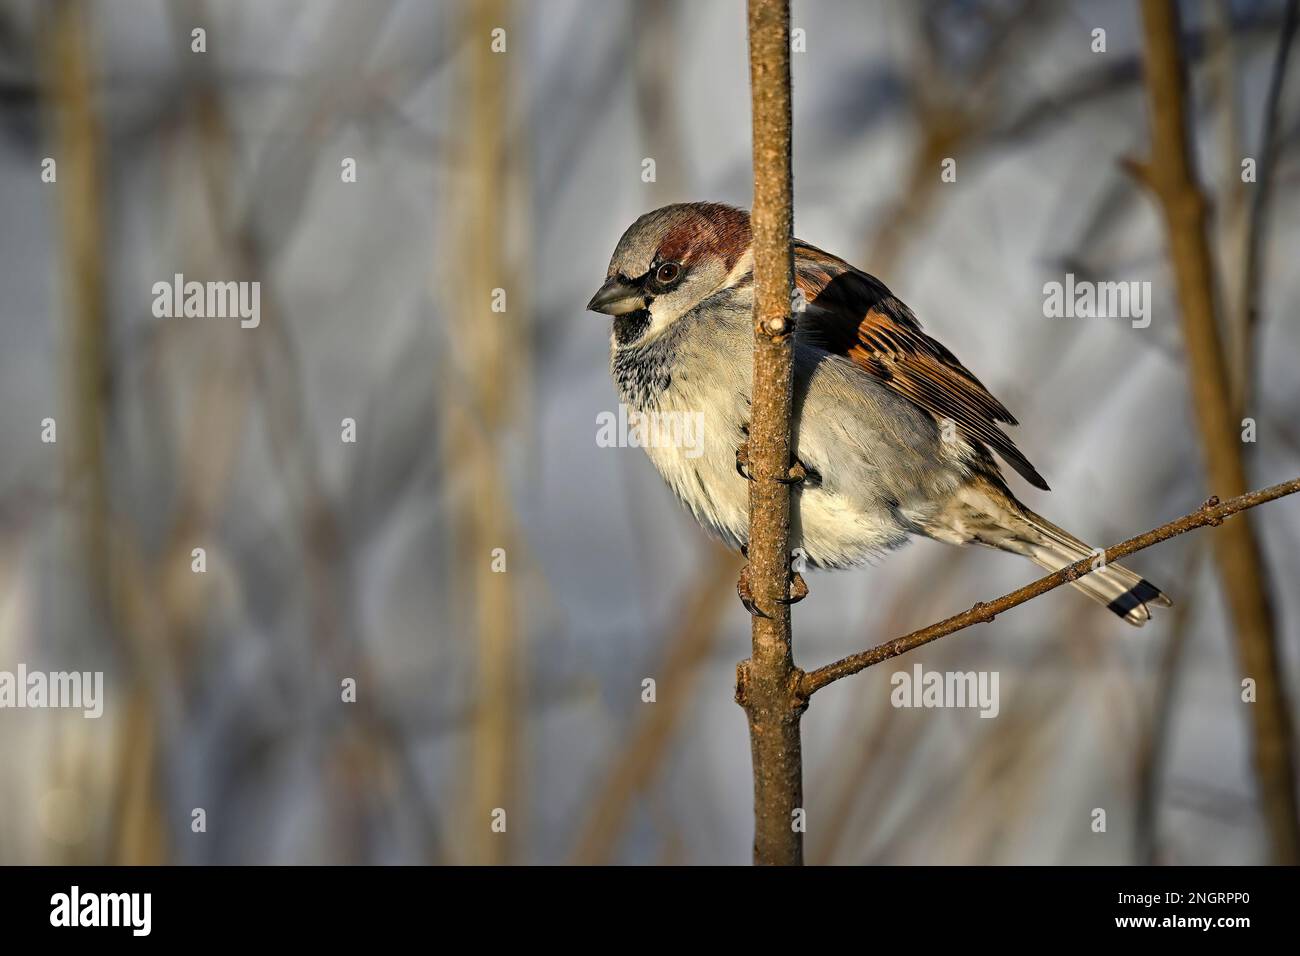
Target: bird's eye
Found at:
x=667, y=273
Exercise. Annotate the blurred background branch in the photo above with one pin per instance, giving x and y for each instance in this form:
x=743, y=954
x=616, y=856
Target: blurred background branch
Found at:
x=1169, y=174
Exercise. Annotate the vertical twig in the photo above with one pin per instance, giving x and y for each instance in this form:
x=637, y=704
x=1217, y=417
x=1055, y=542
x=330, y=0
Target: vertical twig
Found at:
x=136, y=835
x=478, y=418
x=1252, y=279
x=1169, y=175
x=1229, y=198
x=766, y=683
x=80, y=159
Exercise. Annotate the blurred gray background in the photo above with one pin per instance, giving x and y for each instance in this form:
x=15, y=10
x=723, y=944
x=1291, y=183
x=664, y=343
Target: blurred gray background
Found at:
x=476, y=430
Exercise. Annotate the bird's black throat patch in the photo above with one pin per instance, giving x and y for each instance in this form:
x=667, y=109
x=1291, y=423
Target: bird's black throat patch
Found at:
x=630, y=326
x=643, y=370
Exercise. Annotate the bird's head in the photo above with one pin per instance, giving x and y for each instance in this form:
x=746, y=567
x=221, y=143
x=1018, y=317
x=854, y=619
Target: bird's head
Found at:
x=668, y=262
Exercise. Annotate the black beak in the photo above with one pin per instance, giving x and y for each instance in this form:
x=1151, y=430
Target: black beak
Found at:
x=616, y=297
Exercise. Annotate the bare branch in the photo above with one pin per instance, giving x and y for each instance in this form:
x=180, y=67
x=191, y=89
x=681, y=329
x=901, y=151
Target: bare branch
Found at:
x=1211, y=513
x=765, y=684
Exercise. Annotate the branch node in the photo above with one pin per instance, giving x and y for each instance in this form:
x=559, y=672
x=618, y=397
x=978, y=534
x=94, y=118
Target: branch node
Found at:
x=1141, y=171
x=742, y=683
x=1211, y=503
x=795, y=685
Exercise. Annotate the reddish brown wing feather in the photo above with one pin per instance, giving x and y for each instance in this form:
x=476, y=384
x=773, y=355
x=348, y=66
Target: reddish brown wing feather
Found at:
x=853, y=314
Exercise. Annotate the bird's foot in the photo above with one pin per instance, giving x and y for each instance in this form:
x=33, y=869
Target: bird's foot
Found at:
x=742, y=461
x=747, y=595
x=798, y=589
x=796, y=474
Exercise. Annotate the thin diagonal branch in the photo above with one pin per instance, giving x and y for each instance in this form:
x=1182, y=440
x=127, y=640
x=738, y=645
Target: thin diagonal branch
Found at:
x=1213, y=512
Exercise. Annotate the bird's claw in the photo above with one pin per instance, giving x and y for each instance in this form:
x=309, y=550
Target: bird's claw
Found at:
x=796, y=474
x=798, y=590
x=742, y=461
x=747, y=595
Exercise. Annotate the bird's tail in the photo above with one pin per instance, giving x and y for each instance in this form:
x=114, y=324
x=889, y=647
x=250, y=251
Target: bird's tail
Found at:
x=1121, y=590
x=989, y=515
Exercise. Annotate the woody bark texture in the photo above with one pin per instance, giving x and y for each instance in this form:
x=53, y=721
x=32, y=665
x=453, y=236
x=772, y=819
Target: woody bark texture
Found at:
x=766, y=683
x=1170, y=177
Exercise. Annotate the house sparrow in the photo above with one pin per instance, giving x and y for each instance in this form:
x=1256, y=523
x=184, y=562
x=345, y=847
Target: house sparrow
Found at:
x=893, y=435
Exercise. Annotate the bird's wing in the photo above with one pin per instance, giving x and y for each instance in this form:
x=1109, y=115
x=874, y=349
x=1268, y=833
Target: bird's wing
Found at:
x=853, y=314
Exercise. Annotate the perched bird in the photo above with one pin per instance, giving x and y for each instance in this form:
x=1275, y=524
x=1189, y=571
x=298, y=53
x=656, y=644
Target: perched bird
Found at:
x=893, y=435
